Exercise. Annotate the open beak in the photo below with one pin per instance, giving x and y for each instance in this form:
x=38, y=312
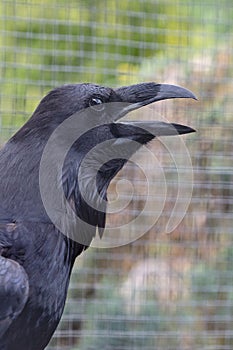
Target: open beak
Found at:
x=136, y=96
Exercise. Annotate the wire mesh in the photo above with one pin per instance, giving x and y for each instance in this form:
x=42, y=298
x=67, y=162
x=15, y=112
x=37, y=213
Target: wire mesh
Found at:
x=163, y=290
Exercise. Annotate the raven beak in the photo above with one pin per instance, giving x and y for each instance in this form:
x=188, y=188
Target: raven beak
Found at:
x=139, y=95
x=157, y=128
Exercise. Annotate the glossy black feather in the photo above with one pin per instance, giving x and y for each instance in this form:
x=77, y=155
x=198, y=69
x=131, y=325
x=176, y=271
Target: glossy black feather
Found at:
x=36, y=258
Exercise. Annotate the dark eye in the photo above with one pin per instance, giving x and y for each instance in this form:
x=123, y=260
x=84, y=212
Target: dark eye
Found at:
x=97, y=104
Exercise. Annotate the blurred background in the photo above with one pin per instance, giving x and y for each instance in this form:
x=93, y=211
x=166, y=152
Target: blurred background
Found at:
x=163, y=290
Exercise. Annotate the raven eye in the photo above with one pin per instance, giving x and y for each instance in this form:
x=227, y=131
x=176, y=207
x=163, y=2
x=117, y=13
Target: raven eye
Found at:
x=97, y=104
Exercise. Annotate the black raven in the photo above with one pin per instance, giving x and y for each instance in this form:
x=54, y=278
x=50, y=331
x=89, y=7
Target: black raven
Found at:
x=36, y=257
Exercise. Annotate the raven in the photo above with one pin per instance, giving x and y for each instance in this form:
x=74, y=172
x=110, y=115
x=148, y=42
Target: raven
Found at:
x=36, y=255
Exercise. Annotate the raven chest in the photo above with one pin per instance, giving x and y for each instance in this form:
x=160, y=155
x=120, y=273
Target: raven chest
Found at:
x=47, y=260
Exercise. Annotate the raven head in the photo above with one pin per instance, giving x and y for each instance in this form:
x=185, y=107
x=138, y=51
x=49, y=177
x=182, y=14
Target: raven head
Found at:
x=103, y=144
x=79, y=122
x=74, y=145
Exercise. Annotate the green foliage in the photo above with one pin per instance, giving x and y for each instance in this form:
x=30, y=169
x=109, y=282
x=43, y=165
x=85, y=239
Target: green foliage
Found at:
x=113, y=323
x=45, y=44
x=212, y=292
x=111, y=326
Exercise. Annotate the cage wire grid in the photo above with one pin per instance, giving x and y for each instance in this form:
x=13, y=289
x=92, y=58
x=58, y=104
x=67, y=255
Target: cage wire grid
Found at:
x=161, y=291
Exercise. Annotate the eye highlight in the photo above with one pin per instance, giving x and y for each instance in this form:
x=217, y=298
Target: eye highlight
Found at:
x=97, y=104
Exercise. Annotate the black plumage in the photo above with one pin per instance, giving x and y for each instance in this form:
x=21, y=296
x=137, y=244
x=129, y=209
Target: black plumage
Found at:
x=36, y=258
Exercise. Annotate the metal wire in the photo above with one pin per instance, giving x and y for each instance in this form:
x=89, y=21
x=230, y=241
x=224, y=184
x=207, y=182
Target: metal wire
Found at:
x=163, y=290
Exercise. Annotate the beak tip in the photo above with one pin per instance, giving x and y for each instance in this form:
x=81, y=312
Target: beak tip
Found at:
x=191, y=130
x=183, y=129
x=194, y=97
x=184, y=93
